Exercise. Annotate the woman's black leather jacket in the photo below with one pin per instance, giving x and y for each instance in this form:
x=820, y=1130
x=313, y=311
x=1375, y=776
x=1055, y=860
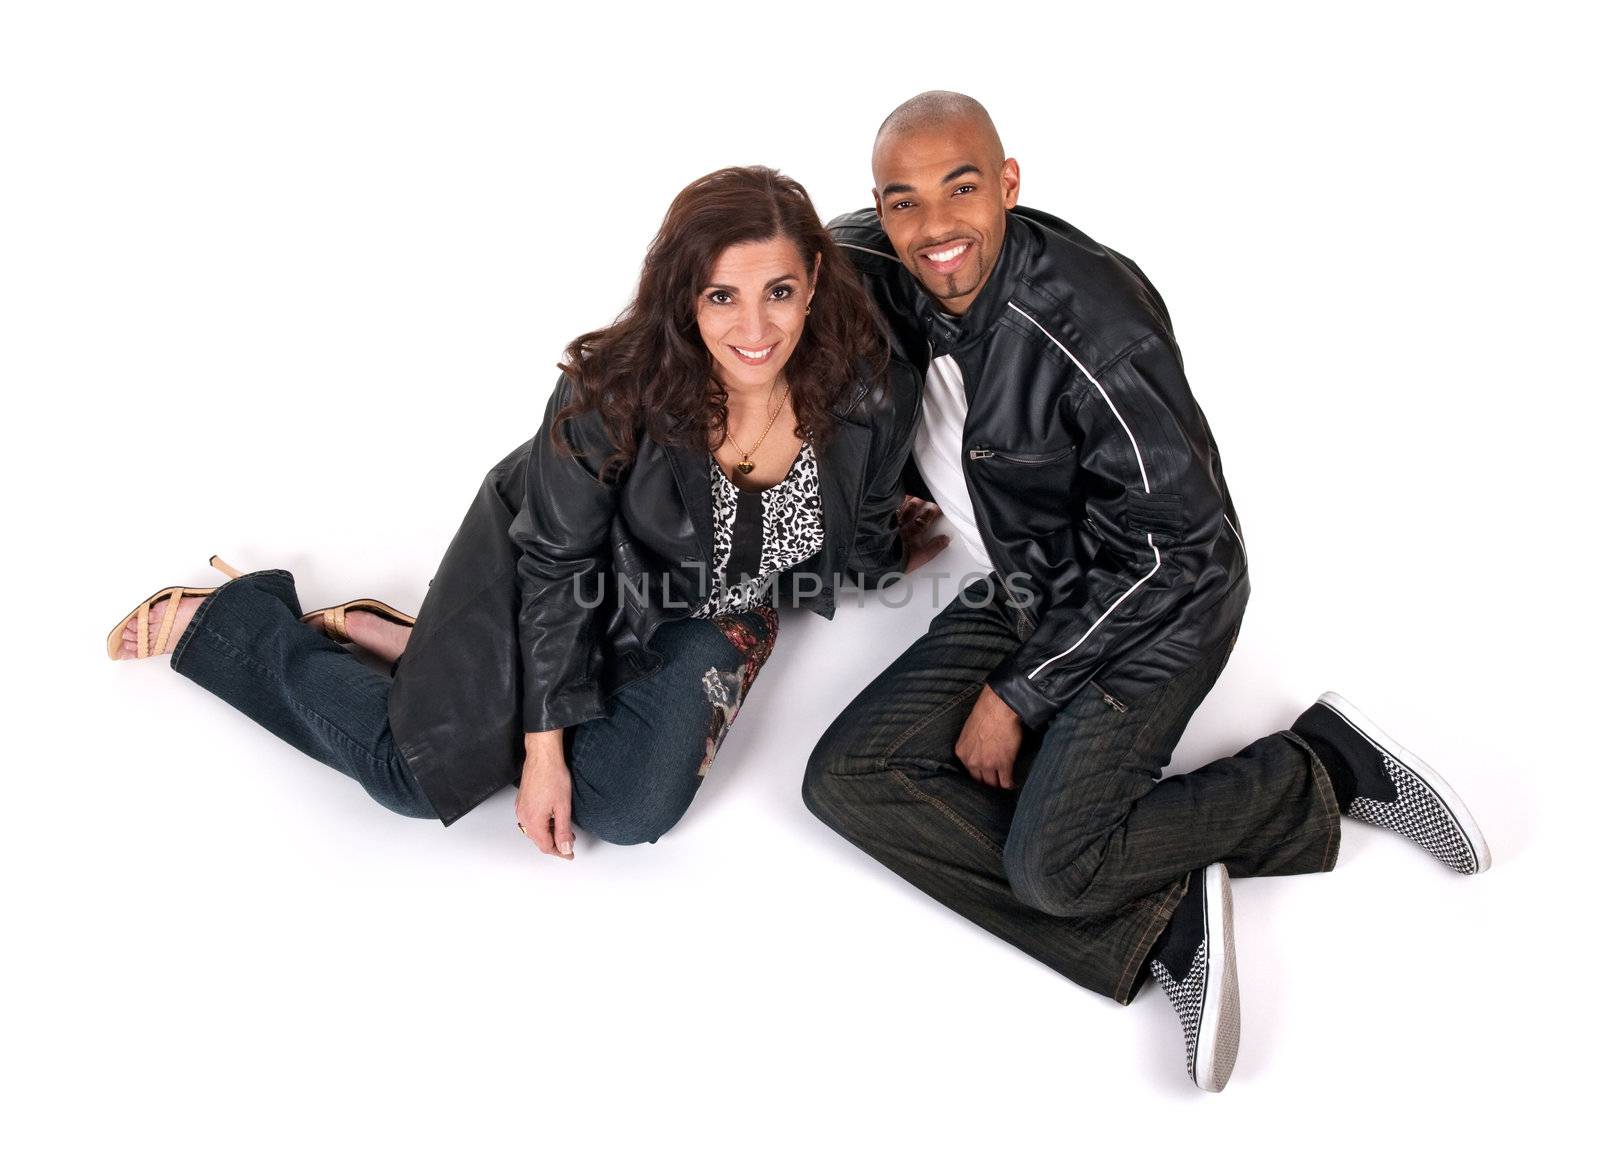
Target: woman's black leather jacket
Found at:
x=546, y=598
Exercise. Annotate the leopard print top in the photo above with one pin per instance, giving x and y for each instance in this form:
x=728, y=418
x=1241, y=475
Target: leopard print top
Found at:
x=759, y=534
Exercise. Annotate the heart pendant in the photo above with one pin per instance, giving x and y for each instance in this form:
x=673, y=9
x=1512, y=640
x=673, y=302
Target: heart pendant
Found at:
x=745, y=466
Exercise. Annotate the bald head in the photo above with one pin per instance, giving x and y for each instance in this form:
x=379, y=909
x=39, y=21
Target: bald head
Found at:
x=943, y=112
x=942, y=185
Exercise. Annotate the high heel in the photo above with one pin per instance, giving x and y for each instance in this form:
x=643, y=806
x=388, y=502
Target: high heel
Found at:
x=333, y=616
x=172, y=594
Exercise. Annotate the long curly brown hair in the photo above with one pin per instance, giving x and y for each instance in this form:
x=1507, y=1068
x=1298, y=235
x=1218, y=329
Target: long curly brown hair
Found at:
x=649, y=370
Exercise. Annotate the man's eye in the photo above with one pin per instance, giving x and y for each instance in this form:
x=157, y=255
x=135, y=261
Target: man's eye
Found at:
x=965, y=187
x=902, y=205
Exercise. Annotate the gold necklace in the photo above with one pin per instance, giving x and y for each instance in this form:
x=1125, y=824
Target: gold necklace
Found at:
x=746, y=465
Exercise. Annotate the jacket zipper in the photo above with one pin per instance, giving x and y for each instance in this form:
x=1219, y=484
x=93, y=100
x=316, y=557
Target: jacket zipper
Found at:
x=1028, y=458
x=1023, y=620
x=1112, y=701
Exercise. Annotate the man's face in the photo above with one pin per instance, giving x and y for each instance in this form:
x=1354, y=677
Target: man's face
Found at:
x=942, y=196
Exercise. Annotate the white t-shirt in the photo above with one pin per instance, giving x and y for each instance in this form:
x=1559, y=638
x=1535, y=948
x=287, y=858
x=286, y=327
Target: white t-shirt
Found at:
x=939, y=452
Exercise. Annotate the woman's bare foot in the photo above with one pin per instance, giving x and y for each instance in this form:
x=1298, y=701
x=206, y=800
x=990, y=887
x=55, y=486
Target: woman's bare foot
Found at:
x=374, y=634
x=158, y=614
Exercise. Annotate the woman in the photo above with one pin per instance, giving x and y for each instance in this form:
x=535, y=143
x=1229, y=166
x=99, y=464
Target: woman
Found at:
x=735, y=437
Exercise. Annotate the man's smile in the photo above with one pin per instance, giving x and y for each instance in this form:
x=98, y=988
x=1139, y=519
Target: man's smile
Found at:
x=947, y=257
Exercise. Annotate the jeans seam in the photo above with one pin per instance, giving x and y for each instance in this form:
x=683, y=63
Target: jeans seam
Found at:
x=1100, y=840
x=923, y=722
x=933, y=801
x=1311, y=835
x=205, y=604
x=1330, y=807
x=1163, y=913
x=954, y=817
x=238, y=652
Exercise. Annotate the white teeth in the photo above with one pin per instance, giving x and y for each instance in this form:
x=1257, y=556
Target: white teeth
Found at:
x=951, y=254
x=755, y=355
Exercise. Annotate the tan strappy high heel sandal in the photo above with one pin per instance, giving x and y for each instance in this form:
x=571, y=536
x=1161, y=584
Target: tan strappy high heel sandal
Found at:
x=333, y=616
x=171, y=594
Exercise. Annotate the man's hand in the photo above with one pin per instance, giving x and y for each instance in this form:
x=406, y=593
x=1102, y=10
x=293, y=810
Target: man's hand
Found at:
x=990, y=740
x=544, y=797
x=914, y=519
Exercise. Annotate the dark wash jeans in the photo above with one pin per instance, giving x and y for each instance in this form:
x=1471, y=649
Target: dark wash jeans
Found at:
x=634, y=772
x=1082, y=865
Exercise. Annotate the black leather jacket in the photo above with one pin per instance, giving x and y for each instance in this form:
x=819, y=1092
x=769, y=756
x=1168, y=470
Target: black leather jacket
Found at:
x=545, y=600
x=1095, y=481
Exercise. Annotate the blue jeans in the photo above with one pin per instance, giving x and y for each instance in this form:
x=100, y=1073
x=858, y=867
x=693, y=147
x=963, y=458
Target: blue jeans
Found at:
x=634, y=772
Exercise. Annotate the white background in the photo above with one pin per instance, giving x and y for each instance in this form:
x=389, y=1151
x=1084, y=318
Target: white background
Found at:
x=281, y=282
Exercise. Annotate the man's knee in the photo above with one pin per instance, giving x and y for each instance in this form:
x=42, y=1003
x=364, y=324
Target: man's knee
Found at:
x=834, y=776
x=820, y=787
x=1039, y=879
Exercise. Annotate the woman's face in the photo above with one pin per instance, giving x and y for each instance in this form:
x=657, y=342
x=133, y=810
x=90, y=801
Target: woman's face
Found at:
x=753, y=310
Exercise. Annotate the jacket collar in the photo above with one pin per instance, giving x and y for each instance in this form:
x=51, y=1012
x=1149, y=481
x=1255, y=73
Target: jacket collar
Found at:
x=1016, y=252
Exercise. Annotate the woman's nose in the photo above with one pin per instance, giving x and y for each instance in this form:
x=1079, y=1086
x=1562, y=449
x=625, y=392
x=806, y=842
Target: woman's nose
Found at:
x=754, y=323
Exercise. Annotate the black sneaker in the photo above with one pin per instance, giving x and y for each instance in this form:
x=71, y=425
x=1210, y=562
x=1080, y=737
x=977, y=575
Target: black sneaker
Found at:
x=1195, y=966
x=1385, y=785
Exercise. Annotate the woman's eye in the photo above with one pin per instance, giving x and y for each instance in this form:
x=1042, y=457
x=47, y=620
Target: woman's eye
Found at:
x=719, y=298
x=782, y=293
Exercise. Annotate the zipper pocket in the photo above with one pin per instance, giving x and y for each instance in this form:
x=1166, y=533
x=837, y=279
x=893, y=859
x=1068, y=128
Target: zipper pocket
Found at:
x=1112, y=701
x=1028, y=458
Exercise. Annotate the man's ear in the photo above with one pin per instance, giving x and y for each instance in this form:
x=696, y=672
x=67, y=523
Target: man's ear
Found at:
x=877, y=204
x=1010, y=180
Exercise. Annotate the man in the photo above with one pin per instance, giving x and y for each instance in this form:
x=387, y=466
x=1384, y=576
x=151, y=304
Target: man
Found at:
x=1006, y=762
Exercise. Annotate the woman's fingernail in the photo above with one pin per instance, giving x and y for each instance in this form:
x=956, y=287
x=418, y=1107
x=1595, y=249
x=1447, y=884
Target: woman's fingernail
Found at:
x=566, y=848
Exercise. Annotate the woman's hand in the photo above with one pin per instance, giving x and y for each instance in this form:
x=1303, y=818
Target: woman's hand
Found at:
x=915, y=518
x=544, y=797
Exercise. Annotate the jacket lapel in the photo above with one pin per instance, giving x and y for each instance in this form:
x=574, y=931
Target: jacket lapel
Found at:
x=694, y=482
x=841, y=471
